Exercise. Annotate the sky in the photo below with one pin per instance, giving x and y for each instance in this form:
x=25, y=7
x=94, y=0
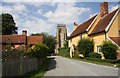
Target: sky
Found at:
x=37, y=17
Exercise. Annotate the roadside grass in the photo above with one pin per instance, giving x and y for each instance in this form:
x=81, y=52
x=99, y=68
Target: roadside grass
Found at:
x=95, y=62
x=40, y=73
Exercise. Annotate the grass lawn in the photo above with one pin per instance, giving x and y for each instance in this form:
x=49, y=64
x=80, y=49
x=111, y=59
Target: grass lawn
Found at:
x=40, y=72
x=95, y=62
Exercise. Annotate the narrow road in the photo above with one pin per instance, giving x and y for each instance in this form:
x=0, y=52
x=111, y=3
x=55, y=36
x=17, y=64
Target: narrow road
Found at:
x=60, y=66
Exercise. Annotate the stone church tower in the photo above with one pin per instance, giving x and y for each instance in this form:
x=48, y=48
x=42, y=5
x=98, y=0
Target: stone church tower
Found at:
x=61, y=36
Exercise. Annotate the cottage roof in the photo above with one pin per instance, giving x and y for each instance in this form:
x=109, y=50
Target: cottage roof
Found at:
x=34, y=39
x=21, y=39
x=103, y=23
x=13, y=38
x=82, y=27
x=116, y=40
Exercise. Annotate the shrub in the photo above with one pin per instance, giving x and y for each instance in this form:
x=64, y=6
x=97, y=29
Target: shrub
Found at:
x=94, y=55
x=109, y=50
x=76, y=54
x=40, y=50
x=64, y=51
x=85, y=46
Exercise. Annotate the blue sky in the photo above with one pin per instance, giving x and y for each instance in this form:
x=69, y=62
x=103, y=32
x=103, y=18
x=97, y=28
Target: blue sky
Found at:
x=39, y=17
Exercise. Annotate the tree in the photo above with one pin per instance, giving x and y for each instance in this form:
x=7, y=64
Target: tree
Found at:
x=48, y=40
x=8, y=24
x=85, y=46
x=109, y=50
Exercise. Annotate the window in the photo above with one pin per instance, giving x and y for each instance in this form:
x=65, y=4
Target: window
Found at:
x=21, y=44
x=99, y=49
x=119, y=33
x=13, y=45
x=71, y=40
x=80, y=37
x=60, y=37
x=31, y=45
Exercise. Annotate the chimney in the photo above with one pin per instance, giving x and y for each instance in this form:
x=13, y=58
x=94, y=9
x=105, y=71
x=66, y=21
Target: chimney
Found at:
x=104, y=8
x=24, y=32
x=75, y=26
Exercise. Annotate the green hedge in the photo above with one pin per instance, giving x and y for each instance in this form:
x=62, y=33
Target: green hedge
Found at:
x=95, y=55
x=39, y=51
x=109, y=50
x=64, y=52
x=103, y=60
x=85, y=46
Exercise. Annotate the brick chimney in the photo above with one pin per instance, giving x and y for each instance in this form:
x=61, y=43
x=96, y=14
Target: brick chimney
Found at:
x=24, y=32
x=104, y=8
x=75, y=26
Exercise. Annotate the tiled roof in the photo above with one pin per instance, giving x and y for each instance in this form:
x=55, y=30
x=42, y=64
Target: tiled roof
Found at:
x=82, y=27
x=116, y=40
x=34, y=39
x=14, y=38
x=103, y=23
x=21, y=39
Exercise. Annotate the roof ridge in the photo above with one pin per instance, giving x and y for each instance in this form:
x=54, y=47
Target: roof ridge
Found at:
x=103, y=23
x=89, y=19
x=82, y=27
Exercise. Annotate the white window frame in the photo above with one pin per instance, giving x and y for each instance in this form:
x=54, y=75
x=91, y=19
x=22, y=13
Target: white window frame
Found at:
x=99, y=49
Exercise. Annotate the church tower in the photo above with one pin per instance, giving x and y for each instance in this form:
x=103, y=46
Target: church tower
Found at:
x=61, y=36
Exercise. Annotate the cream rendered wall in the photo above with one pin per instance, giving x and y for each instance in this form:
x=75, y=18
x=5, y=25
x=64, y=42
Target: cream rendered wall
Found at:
x=119, y=20
x=76, y=39
x=114, y=28
x=98, y=40
x=94, y=24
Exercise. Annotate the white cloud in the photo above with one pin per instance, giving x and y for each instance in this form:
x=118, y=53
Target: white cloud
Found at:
x=112, y=8
x=37, y=26
x=39, y=11
x=65, y=13
x=14, y=9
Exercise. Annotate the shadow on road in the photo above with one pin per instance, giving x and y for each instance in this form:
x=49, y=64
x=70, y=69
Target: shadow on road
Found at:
x=52, y=63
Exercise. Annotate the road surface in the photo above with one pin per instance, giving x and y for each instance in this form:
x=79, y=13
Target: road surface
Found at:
x=60, y=66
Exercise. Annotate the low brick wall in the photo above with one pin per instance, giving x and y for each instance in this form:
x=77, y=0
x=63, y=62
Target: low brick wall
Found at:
x=19, y=67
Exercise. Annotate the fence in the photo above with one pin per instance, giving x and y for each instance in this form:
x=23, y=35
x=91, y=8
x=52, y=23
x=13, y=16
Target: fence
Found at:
x=18, y=67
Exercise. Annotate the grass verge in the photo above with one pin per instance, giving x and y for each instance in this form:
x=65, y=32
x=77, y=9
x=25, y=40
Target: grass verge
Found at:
x=95, y=62
x=40, y=73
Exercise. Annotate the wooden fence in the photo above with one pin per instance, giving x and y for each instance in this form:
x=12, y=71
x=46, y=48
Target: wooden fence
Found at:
x=18, y=67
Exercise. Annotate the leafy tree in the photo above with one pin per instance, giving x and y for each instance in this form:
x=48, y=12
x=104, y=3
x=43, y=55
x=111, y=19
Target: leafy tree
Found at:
x=109, y=50
x=8, y=24
x=48, y=40
x=85, y=46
